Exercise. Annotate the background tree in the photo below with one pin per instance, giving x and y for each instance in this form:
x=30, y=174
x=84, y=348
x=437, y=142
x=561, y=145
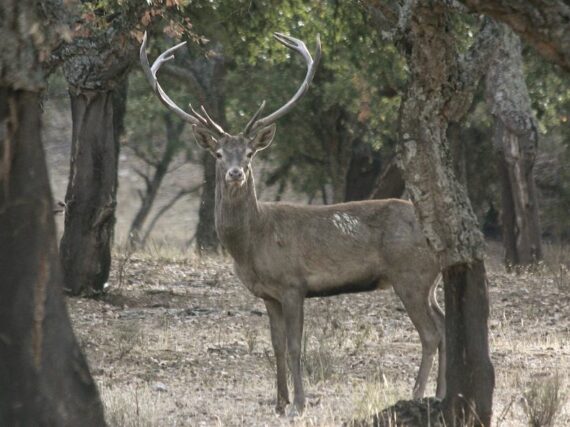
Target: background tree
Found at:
x=96, y=64
x=44, y=378
x=209, y=74
x=516, y=141
x=440, y=90
x=158, y=166
x=549, y=89
x=346, y=125
x=541, y=23
x=158, y=140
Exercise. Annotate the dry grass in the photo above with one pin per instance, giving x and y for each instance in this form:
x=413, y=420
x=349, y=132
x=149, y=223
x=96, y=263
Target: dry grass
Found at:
x=543, y=400
x=182, y=343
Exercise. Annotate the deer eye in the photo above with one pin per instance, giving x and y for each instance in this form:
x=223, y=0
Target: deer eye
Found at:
x=249, y=154
x=218, y=154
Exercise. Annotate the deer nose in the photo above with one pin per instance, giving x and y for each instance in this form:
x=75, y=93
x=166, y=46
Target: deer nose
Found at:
x=235, y=174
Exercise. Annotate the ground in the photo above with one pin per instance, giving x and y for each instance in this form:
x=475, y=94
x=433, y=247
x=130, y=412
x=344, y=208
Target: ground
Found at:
x=178, y=341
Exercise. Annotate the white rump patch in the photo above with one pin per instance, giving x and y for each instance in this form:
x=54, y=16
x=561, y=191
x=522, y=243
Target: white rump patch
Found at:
x=346, y=223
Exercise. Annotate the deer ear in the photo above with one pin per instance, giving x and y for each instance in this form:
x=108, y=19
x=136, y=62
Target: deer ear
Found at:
x=205, y=138
x=263, y=138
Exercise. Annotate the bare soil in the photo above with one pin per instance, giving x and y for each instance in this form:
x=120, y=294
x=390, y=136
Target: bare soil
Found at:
x=178, y=341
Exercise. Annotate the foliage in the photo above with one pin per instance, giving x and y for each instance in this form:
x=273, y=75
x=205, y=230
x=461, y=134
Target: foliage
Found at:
x=133, y=17
x=144, y=121
x=359, y=80
x=549, y=89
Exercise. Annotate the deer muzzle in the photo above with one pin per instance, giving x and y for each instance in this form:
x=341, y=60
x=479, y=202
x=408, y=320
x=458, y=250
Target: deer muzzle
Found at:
x=235, y=176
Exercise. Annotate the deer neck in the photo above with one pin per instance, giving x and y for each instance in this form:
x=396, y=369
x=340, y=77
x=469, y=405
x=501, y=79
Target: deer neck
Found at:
x=237, y=212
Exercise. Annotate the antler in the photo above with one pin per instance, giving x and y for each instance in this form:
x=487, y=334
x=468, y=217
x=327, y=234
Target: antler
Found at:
x=299, y=47
x=150, y=73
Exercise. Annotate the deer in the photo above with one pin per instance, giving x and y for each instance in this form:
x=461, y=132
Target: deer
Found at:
x=284, y=253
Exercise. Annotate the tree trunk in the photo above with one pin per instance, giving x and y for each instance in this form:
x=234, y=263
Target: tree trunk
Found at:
x=210, y=75
x=95, y=67
x=91, y=193
x=172, y=136
x=44, y=378
x=390, y=183
x=436, y=95
x=515, y=140
x=206, y=238
x=363, y=172
x=338, y=144
x=469, y=373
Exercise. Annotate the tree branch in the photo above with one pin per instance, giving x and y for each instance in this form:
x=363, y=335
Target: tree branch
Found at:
x=472, y=66
x=186, y=77
x=181, y=193
x=143, y=156
x=541, y=23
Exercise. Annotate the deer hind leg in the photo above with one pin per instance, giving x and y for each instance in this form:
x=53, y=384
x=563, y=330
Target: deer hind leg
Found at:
x=278, y=340
x=293, y=313
x=439, y=319
x=418, y=306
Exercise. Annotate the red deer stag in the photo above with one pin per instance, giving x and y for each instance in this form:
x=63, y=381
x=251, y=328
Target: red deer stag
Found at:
x=285, y=253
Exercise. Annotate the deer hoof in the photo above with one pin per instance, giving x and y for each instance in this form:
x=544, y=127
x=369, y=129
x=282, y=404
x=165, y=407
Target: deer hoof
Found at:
x=296, y=410
x=293, y=412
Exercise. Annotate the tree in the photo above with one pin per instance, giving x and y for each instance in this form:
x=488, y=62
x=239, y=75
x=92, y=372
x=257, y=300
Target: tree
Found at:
x=202, y=72
x=158, y=165
x=96, y=63
x=44, y=378
x=440, y=90
x=541, y=23
x=209, y=74
x=346, y=123
x=516, y=140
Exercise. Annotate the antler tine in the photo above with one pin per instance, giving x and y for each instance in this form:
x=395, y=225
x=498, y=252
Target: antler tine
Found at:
x=299, y=47
x=211, y=122
x=207, y=120
x=203, y=121
x=254, y=118
x=150, y=74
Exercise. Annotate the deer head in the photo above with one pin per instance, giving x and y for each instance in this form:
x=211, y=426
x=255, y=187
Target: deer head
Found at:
x=233, y=152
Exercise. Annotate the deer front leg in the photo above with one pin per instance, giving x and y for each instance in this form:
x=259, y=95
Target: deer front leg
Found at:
x=278, y=339
x=293, y=312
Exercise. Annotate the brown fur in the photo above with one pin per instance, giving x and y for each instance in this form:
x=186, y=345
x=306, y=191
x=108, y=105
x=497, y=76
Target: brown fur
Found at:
x=285, y=253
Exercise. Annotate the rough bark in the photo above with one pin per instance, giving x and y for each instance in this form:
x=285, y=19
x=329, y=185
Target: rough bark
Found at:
x=44, y=378
x=440, y=91
x=515, y=140
x=458, y=152
x=206, y=238
x=91, y=193
x=543, y=24
x=160, y=169
x=95, y=68
x=469, y=375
